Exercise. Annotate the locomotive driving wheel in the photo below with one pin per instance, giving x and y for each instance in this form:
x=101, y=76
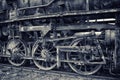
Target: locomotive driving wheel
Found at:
x=17, y=50
x=44, y=55
x=87, y=53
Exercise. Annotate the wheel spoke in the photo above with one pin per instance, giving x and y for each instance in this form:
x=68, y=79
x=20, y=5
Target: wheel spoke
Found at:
x=85, y=68
x=22, y=53
x=20, y=47
x=40, y=48
x=15, y=46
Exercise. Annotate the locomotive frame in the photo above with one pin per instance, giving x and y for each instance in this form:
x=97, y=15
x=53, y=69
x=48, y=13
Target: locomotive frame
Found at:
x=51, y=39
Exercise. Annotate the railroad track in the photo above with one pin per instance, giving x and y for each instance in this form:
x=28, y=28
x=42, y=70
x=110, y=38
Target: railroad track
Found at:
x=9, y=72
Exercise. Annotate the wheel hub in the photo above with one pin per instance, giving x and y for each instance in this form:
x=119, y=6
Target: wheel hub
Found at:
x=45, y=53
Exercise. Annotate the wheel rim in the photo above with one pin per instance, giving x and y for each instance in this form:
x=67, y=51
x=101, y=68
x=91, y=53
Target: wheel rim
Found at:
x=16, y=49
x=47, y=53
x=85, y=69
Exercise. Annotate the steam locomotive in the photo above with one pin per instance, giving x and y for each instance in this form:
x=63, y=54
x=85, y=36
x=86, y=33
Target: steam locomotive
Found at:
x=83, y=33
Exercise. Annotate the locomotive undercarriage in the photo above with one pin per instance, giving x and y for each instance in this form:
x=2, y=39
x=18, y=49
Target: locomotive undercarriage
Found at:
x=49, y=46
x=64, y=37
